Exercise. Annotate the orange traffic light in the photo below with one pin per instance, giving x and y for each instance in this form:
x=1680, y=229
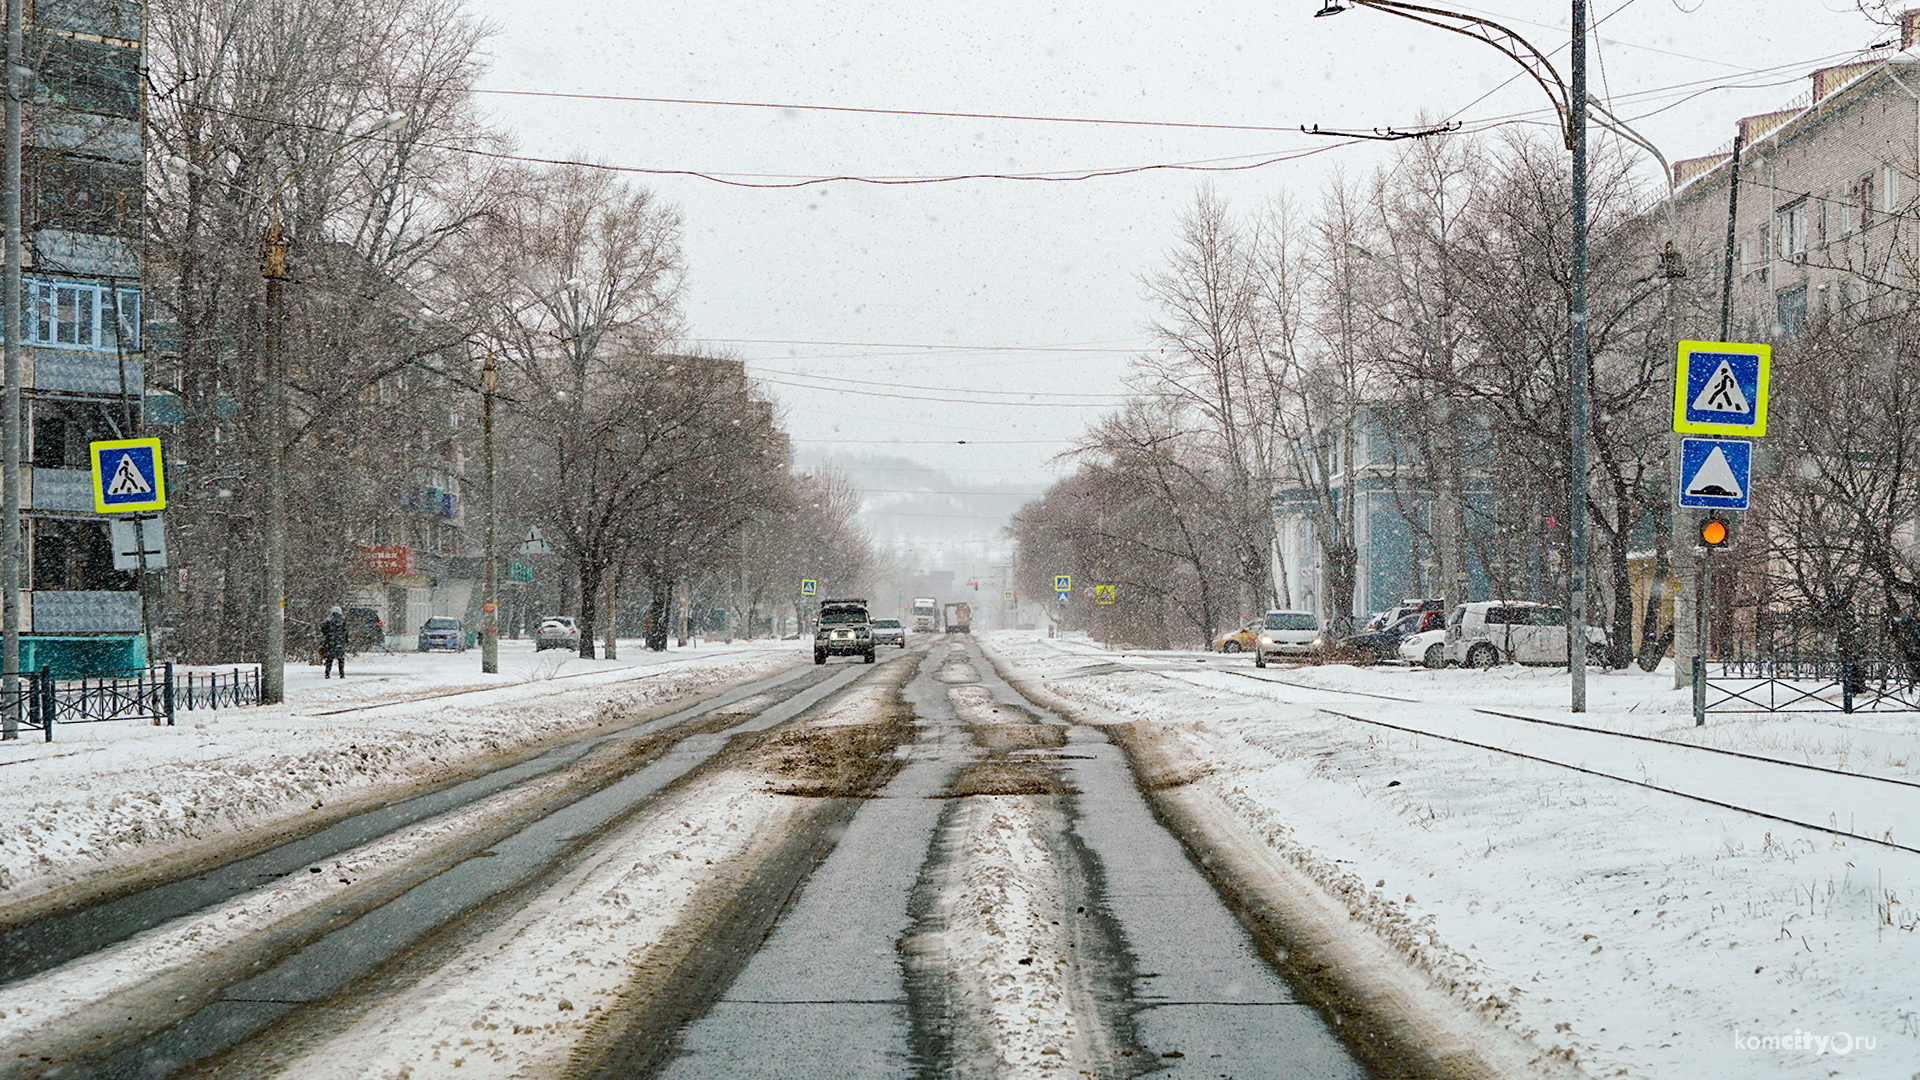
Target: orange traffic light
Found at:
x=1715, y=533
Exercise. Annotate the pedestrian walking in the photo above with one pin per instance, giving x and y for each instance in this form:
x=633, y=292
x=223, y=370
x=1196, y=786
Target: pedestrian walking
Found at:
x=333, y=644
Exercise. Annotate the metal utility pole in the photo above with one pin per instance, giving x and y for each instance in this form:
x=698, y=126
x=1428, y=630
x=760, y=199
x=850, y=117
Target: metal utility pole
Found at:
x=10, y=430
x=1577, y=399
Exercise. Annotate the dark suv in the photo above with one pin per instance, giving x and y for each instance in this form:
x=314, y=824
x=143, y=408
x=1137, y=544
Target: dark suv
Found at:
x=844, y=630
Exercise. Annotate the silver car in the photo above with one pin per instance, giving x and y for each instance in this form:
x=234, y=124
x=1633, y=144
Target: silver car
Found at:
x=556, y=632
x=889, y=632
x=1286, y=633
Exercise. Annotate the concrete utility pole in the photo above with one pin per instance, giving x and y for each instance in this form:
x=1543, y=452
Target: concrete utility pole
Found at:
x=1577, y=399
x=490, y=591
x=10, y=430
x=273, y=659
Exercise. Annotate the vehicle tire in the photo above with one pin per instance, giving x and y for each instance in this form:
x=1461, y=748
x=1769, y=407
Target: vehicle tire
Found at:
x=819, y=657
x=1259, y=658
x=1231, y=647
x=1483, y=656
x=1436, y=656
x=868, y=656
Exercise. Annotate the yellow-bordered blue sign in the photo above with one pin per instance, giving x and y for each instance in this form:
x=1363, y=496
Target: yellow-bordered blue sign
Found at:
x=809, y=587
x=128, y=476
x=1720, y=388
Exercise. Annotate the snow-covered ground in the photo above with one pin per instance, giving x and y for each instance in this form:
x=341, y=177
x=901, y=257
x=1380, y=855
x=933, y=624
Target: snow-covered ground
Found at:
x=107, y=798
x=1638, y=932
x=1634, y=931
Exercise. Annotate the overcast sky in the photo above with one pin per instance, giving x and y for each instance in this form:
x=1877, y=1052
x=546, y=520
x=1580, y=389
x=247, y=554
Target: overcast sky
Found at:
x=1004, y=312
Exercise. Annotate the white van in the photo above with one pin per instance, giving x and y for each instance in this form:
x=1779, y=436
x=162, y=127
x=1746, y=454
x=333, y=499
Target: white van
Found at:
x=1490, y=632
x=1286, y=633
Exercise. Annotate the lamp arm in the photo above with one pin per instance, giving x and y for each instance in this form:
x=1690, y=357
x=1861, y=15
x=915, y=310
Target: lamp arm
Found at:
x=1488, y=32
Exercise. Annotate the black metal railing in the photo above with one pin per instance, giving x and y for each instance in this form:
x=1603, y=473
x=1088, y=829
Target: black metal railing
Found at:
x=1765, y=682
x=218, y=690
x=41, y=700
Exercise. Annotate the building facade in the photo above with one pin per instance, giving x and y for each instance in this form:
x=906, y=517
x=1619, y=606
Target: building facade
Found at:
x=82, y=355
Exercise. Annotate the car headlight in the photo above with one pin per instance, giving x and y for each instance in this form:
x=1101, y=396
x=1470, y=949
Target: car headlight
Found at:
x=1319, y=642
x=1265, y=640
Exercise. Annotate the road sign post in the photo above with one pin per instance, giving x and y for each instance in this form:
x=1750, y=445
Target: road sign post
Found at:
x=1719, y=388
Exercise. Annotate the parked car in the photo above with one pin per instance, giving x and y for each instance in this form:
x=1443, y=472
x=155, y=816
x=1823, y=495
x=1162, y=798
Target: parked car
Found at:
x=889, y=632
x=556, y=632
x=1241, y=640
x=1286, y=633
x=364, y=629
x=1428, y=647
x=1490, y=632
x=1383, y=645
x=442, y=632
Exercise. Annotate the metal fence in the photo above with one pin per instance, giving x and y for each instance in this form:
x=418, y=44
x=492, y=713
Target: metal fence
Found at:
x=1775, y=683
x=41, y=701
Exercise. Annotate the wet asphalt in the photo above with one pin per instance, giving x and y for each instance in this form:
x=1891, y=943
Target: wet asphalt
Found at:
x=829, y=994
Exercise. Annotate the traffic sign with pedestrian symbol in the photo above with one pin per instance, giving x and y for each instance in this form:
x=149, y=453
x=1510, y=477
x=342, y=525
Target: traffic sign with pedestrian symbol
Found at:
x=1720, y=388
x=809, y=587
x=128, y=476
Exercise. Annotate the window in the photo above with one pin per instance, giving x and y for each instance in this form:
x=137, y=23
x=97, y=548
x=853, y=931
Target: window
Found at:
x=1863, y=198
x=1790, y=228
x=80, y=315
x=83, y=195
x=1790, y=309
x=1890, y=189
x=74, y=555
x=89, y=76
x=63, y=430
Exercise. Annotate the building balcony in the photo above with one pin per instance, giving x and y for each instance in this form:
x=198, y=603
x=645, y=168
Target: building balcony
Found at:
x=79, y=612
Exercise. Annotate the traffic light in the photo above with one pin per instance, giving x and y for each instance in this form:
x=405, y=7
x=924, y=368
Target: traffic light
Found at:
x=1716, y=533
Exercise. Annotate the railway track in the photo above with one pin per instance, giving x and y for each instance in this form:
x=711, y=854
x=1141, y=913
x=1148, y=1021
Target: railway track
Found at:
x=1825, y=787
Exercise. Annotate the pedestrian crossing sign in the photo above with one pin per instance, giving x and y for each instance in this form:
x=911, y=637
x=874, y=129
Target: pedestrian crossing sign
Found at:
x=128, y=477
x=1720, y=388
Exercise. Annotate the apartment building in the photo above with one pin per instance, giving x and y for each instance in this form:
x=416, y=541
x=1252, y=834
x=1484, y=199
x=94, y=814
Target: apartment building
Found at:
x=82, y=359
x=1828, y=187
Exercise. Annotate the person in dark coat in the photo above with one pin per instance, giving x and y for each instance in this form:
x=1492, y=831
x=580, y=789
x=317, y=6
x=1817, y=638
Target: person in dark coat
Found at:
x=333, y=643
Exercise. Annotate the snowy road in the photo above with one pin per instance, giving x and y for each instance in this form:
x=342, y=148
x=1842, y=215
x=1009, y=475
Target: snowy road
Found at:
x=898, y=870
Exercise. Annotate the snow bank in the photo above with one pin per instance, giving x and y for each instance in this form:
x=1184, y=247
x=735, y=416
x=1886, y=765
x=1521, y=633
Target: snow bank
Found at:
x=1633, y=933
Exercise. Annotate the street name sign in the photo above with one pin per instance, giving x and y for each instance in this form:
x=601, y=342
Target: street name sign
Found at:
x=128, y=477
x=1720, y=388
x=1716, y=474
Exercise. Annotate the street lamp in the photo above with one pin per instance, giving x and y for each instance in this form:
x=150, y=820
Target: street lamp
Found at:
x=273, y=660
x=1570, y=101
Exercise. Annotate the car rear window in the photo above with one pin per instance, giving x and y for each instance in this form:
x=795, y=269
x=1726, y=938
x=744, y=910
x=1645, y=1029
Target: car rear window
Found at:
x=1291, y=620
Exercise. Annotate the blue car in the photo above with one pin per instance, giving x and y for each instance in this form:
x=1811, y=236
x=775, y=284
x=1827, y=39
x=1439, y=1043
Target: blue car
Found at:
x=441, y=632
